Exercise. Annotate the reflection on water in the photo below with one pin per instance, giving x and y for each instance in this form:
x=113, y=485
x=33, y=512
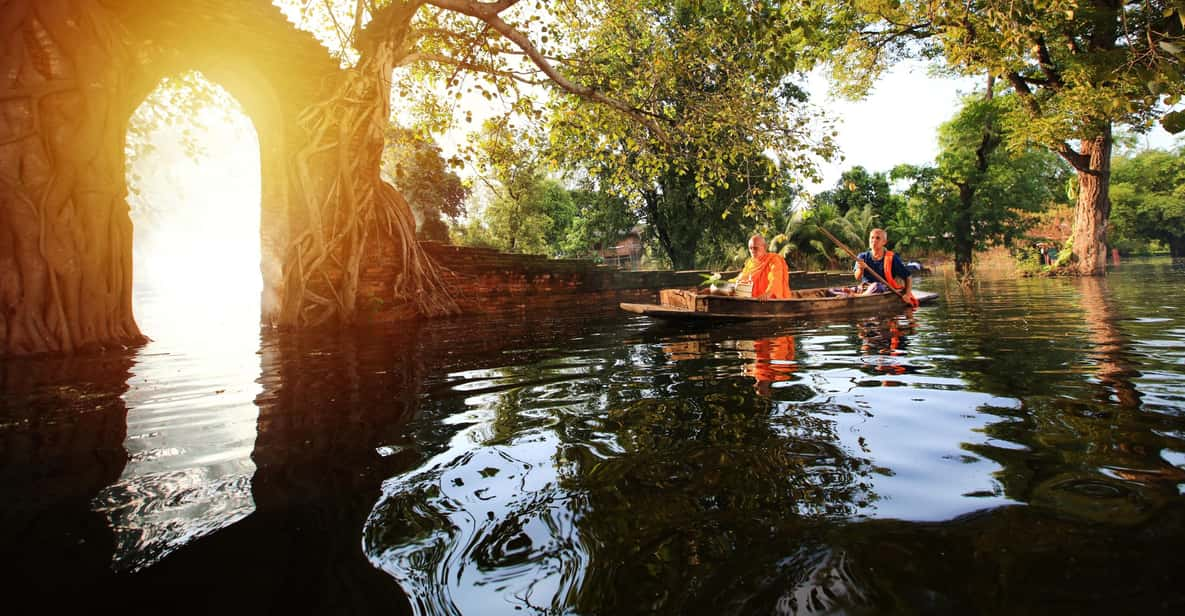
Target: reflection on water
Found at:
x=1018, y=448
x=191, y=424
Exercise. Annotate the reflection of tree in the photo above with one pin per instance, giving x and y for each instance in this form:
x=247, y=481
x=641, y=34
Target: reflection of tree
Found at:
x=1109, y=344
x=1017, y=560
x=1090, y=455
x=1004, y=341
x=708, y=490
x=621, y=481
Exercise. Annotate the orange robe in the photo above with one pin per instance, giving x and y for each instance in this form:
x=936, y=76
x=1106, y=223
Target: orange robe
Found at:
x=769, y=273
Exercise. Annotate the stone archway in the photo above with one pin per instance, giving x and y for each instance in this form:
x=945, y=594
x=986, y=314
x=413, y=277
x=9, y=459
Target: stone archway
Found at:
x=272, y=69
x=72, y=73
x=70, y=77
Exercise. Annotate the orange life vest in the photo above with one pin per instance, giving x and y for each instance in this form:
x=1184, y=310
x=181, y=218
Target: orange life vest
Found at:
x=888, y=267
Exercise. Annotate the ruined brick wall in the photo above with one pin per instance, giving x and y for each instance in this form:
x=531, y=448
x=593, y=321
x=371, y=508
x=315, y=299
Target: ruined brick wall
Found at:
x=489, y=281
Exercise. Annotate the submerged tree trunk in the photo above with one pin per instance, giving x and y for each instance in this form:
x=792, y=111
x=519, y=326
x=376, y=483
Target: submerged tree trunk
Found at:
x=1177, y=247
x=964, y=244
x=1089, y=235
x=65, y=233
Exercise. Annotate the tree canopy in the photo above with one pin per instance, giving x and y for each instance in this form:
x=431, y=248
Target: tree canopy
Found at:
x=1148, y=193
x=1077, y=68
x=414, y=164
x=978, y=192
x=733, y=127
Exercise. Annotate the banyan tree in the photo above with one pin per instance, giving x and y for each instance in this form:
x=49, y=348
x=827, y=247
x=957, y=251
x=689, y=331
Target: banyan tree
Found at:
x=73, y=72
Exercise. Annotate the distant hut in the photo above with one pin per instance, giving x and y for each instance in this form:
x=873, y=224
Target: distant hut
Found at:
x=626, y=253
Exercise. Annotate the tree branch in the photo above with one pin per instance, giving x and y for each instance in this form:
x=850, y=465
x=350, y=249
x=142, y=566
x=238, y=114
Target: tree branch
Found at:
x=468, y=65
x=1029, y=100
x=1047, y=67
x=487, y=13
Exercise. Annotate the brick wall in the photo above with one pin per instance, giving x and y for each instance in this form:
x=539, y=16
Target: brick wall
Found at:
x=489, y=281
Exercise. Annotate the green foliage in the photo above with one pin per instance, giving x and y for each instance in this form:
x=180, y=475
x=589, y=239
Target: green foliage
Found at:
x=600, y=220
x=185, y=104
x=857, y=188
x=992, y=193
x=688, y=109
x=1066, y=255
x=714, y=79
x=1148, y=199
x=807, y=247
x=414, y=165
x=705, y=231
x=516, y=217
x=1079, y=65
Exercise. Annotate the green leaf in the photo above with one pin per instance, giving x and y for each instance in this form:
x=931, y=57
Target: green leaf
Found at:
x=1173, y=122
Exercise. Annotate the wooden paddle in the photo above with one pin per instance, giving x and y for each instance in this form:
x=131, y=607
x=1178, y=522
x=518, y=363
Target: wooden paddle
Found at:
x=879, y=278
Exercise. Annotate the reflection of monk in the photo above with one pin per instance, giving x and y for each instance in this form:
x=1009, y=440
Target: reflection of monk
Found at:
x=766, y=270
x=886, y=337
x=772, y=360
x=882, y=337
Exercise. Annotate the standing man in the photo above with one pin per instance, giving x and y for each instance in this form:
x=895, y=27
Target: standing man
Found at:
x=766, y=270
x=883, y=262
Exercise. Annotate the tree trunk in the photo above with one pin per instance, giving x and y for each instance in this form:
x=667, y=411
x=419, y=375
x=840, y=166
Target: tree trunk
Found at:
x=964, y=244
x=1094, y=207
x=650, y=200
x=65, y=233
x=343, y=202
x=1177, y=247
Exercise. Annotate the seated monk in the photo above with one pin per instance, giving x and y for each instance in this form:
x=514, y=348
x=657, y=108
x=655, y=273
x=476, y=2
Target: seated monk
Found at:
x=767, y=271
x=887, y=266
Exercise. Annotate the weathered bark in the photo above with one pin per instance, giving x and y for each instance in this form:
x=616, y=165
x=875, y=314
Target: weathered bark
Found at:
x=1089, y=234
x=68, y=86
x=343, y=202
x=65, y=233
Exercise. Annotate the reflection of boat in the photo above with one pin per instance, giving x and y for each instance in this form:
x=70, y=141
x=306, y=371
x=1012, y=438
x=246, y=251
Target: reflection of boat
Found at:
x=686, y=304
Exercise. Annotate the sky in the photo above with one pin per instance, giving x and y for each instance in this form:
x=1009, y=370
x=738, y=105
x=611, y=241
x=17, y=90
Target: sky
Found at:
x=898, y=121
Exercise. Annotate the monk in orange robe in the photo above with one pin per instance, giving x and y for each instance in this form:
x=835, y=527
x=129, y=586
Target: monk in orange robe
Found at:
x=766, y=270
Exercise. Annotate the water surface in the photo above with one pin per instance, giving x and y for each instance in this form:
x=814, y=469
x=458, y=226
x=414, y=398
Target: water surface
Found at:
x=1017, y=448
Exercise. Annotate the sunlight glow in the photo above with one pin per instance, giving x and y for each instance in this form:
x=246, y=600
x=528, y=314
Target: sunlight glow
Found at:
x=194, y=192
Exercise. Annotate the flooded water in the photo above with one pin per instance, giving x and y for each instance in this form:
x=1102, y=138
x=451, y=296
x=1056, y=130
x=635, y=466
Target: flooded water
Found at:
x=1017, y=448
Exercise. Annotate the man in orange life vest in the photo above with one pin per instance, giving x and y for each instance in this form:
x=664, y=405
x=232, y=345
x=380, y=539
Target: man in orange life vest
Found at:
x=766, y=270
x=876, y=259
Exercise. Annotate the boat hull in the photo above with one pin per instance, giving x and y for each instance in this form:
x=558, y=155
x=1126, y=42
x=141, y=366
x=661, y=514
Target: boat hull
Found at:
x=811, y=303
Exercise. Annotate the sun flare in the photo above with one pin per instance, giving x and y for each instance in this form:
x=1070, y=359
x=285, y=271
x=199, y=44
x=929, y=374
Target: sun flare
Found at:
x=194, y=192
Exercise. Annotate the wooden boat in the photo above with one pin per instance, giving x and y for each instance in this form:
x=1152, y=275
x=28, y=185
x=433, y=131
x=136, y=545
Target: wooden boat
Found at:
x=807, y=303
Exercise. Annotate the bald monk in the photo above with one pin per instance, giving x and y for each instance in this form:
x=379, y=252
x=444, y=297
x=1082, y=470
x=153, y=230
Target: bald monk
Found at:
x=766, y=270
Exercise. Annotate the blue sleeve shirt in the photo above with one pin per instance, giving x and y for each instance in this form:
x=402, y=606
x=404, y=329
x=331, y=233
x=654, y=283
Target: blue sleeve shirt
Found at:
x=900, y=272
